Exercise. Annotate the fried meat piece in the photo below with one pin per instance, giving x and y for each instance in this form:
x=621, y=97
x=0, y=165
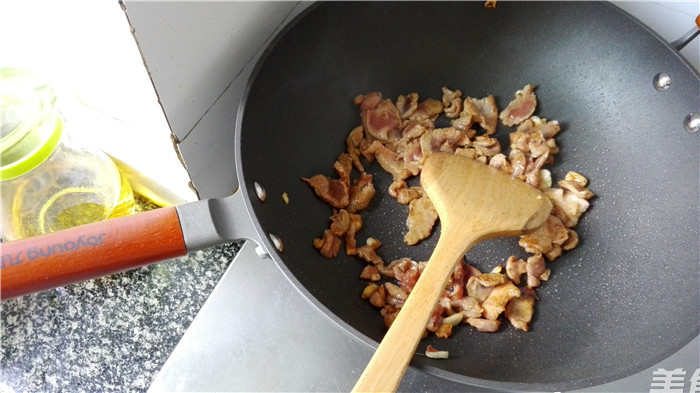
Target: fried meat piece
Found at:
x=445, y=140
x=484, y=325
x=352, y=143
x=328, y=245
x=343, y=167
x=479, y=287
x=452, y=102
x=515, y=268
x=495, y=304
x=371, y=273
x=536, y=271
x=382, y=122
x=483, y=111
x=519, y=310
x=567, y=206
x=368, y=252
x=403, y=193
x=485, y=146
x=468, y=306
x=407, y=104
x=406, y=273
x=335, y=192
x=389, y=160
x=428, y=109
x=547, y=240
x=521, y=108
x=361, y=193
x=346, y=225
x=420, y=221
x=534, y=267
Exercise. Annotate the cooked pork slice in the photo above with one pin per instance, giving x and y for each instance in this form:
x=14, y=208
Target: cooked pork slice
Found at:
x=368, y=252
x=371, y=273
x=352, y=142
x=403, y=193
x=518, y=161
x=395, y=295
x=452, y=101
x=335, y=192
x=435, y=320
x=515, y=268
x=468, y=306
x=382, y=122
x=376, y=295
x=412, y=155
x=445, y=140
x=343, y=167
x=571, y=242
x=485, y=146
x=484, y=325
x=567, y=205
x=499, y=161
x=522, y=107
x=407, y=104
x=547, y=240
x=328, y=245
x=361, y=193
x=483, y=111
x=428, y=109
x=464, y=123
x=388, y=270
x=420, y=221
x=519, y=310
x=389, y=160
x=368, y=101
x=536, y=271
x=412, y=129
x=340, y=222
x=576, y=184
x=495, y=304
x=406, y=273
x=480, y=287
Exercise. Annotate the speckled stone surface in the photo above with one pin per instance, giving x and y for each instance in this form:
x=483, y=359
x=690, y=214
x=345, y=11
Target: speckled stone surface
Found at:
x=111, y=334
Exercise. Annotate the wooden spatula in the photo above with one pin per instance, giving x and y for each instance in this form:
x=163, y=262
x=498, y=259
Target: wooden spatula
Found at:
x=475, y=202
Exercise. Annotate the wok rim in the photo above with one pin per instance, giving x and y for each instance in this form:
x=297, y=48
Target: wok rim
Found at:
x=346, y=327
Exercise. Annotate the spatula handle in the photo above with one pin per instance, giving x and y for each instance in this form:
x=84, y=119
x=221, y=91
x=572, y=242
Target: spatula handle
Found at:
x=89, y=251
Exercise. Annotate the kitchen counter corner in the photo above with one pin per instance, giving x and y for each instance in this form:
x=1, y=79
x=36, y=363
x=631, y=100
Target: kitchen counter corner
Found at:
x=108, y=334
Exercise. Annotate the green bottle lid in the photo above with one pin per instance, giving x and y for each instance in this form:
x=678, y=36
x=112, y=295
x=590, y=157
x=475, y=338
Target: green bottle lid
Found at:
x=31, y=124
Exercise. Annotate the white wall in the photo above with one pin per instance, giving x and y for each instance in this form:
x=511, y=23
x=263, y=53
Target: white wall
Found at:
x=86, y=48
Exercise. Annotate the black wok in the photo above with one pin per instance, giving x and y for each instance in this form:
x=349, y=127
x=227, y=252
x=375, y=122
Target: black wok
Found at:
x=625, y=299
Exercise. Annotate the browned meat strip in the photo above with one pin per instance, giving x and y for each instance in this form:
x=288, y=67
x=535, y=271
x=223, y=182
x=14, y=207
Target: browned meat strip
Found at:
x=361, y=193
x=328, y=245
x=495, y=304
x=382, y=122
x=333, y=191
x=483, y=111
x=519, y=310
x=421, y=219
x=522, y=107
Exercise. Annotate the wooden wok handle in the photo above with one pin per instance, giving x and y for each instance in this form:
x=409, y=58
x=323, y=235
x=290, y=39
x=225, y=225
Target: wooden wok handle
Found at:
x=89, y=251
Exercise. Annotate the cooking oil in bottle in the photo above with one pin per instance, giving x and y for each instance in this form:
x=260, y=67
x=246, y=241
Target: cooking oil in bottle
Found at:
x=50, y=182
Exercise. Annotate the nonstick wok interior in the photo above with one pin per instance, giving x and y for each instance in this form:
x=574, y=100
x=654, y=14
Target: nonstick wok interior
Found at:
x=624, y=299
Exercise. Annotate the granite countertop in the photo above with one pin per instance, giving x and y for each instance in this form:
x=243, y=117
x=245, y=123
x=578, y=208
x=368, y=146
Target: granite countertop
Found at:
x=108, y=334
